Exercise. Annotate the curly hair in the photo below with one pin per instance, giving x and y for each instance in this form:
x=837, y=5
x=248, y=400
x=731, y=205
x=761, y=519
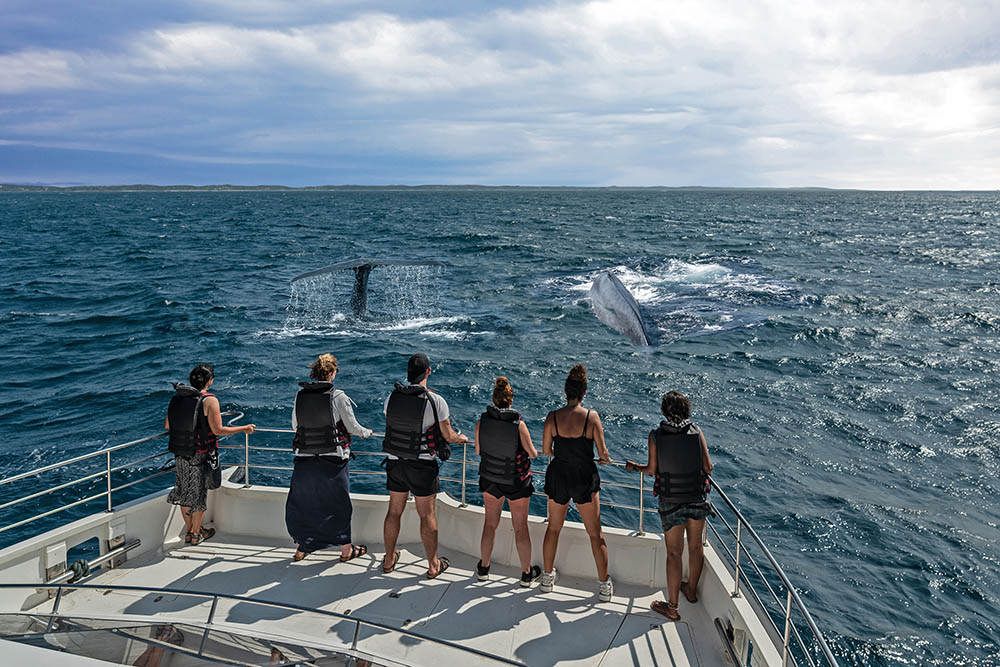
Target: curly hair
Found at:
x=503, y=393
x=675, y=406
x=324, y=366
x=201, y=375
x=576, y=382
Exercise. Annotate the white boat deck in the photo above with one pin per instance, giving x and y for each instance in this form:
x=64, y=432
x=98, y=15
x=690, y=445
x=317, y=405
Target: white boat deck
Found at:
x=567, y=627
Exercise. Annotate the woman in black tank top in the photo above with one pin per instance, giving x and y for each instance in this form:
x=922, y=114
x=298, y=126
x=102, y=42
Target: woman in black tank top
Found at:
x=572, y=475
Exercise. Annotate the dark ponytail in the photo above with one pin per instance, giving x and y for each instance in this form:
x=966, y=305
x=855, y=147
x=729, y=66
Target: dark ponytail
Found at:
x=201, y=376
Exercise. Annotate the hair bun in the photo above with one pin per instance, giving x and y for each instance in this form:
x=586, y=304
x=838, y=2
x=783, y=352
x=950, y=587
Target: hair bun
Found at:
x=503, y=393
x=578, y=373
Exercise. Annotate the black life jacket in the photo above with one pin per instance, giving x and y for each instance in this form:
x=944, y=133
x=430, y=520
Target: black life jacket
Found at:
x=316, y=432
x=503, y=459
x=189, y=430
x=405, y=436
x=680, y=475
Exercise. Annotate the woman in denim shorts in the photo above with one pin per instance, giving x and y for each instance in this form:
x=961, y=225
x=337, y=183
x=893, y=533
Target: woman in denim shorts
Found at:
x=678, y=459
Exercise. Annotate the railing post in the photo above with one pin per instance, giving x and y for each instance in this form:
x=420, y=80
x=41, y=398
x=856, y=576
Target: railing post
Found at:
x=788, y=626
x=208, y=625
x=55, y=608
x=465, y=450
x=108, y=475
x=642, y=493
x=246, y=460
x=357, y=631
x=739, y=547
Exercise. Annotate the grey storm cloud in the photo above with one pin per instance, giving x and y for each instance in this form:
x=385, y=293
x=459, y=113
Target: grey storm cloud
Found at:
x=868, y=95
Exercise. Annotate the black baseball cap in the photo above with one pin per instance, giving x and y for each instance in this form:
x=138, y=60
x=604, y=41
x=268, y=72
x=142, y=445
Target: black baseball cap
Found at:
x=417, y=367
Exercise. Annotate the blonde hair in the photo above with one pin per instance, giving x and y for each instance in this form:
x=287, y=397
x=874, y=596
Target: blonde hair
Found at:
x=324, y=366
x=503, y=393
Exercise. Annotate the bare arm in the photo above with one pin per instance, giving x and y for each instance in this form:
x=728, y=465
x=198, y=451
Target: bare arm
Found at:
x=526, y=443
x=477, y=437
x=166, y=423
x=214, y=415
x=346, y=412
x=604, y=457
x=449, y=433
x=706, y=460
x=548, y=432
x=650, y=467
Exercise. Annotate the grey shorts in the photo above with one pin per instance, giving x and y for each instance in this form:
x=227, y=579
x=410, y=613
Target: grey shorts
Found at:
x=672, y=515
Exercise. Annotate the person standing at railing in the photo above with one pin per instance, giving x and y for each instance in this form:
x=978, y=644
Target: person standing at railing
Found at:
x=572, y=475
x=506, y=450
x=417, y=429
x=194, y=421
x=318, y=508
x=678, y=458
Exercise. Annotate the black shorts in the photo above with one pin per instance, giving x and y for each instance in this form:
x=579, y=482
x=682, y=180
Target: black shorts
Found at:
x=565, y=481
x=522, y=489
x=418, y=477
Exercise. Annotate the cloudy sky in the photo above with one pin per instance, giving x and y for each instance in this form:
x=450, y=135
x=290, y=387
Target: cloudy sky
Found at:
x=872, y=94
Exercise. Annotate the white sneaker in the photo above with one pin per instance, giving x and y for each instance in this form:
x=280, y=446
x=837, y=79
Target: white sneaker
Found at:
x=607, y=590
x=548, y=581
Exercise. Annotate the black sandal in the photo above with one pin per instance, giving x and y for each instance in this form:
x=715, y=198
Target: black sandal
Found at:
x=443, y=564
x=356, y=550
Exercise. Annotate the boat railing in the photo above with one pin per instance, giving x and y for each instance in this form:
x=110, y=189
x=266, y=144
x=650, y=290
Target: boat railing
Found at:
x=749, y=560
x=209, y=624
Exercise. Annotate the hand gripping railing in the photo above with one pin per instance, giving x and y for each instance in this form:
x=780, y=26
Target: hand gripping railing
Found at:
x=736, y=557
x=209, y=624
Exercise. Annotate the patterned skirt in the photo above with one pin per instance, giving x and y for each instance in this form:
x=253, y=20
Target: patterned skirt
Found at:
x=192, y=478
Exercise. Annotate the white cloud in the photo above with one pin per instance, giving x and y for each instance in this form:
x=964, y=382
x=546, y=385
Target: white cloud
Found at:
x=749, y=93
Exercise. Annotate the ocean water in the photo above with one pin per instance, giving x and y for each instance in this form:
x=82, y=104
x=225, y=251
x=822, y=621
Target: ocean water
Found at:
x=841, y=351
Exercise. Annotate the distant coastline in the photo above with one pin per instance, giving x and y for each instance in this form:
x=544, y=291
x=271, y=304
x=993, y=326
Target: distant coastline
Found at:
x=13, y=187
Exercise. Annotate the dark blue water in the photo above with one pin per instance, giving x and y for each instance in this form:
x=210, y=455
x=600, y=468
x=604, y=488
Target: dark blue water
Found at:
x=841, y=351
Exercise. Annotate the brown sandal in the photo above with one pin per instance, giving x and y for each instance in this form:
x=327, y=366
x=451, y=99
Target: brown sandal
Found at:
x=299, y=555
x=205, y=533
x=395, y=560
x=690, y=598
x=666, y=609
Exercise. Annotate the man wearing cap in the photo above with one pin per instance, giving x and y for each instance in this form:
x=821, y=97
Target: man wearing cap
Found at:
x=416, y=424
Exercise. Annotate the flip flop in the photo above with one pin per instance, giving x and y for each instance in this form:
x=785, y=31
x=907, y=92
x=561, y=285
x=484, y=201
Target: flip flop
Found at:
x=443, y=564
x=395, y=560
x=356, y=550
x=666, y=609
x=684, y=590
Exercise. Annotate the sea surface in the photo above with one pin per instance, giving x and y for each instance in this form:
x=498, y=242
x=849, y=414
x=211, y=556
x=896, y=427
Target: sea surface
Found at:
x=841, y=351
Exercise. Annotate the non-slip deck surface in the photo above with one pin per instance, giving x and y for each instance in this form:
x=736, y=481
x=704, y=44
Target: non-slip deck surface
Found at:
x=567, y=627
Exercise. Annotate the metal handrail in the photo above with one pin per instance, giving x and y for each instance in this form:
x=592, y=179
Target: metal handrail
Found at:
x=793, y=595
x=742, y=525
x=215, y=597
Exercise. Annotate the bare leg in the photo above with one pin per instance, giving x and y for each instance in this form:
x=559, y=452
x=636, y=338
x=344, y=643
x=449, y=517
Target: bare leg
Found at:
x=675, y=567
x=196, y=519
x=696, y=554
x=557, y=515
x=390, y=527
x=591, y=515
x=493, y=507
x=429, y=531
x=186, y=514
x=522, y=538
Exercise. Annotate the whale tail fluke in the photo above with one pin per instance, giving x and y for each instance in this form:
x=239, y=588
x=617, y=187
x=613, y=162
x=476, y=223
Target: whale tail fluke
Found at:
x=362, y=268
